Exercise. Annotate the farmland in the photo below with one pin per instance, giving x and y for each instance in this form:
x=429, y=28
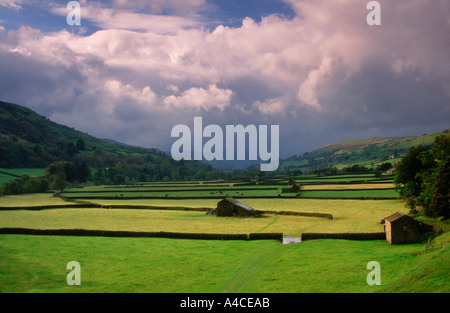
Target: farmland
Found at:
x=357, y=203
x=7, y=175
x=369, y=152
x=170, y=265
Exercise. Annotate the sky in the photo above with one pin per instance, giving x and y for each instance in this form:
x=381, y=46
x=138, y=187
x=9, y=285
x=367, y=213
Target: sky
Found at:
x=135, y=69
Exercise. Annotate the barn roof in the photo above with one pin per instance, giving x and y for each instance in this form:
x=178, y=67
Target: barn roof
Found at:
x=235, y=202
x=397, y=216
x=246, y=207
x=394, y=217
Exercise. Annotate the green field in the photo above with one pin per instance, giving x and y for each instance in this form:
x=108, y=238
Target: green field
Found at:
x=178, y=194
x=32, y=172
x=180, y=221
x=30, y=200
x=32, y=264
x=388, y=193
x=5, y=178
x=237, y=193
x=348, y=186
x=341, y=186
x=348, y=216
x=38, y=263
x=7, y=174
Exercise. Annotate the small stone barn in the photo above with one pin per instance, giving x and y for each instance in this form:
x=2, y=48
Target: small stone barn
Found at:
x=232, y=207
x=293, y=189
x=401, y=229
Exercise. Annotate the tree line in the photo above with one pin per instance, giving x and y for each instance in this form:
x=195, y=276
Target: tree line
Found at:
x=423, y=178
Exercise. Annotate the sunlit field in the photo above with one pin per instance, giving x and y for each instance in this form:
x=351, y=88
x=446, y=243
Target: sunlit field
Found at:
x=33, y=263
x=30, y=200
x=348, y=215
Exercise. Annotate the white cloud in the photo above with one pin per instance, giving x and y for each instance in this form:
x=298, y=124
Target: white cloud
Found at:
x=273, y=106
x=173, y=88
x=12, y=4
x=178, y=7
x=201, y=99
x=295, y=56
x=326, y=60
x=110, y=18
x=307, y=93
x=117, y=90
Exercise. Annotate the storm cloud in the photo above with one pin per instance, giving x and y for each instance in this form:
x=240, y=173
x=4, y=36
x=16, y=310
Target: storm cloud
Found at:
x=322, y=74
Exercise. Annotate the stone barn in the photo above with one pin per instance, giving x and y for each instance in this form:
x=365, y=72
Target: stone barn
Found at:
x=401, y=229
x=293, y=189
x=232, y=207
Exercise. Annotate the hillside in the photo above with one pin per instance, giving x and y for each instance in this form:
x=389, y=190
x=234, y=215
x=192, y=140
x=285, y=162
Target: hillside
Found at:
x=369, y=152
x=29, y=140
x=429, y=273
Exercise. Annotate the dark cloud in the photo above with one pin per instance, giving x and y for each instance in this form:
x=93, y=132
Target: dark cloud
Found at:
x=322, y=77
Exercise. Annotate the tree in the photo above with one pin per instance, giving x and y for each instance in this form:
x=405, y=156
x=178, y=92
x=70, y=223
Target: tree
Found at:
x=59, y=182
x=43, y=185
x=70, y=171
x=14, y=187
x=80, y=145
x=412, y=170
x=384, y=167
x=78, y=171
x=424, y=176
x=83, y=171
x=296, y=172
x=440, y=201
x=99, y=177
x=119, y=179
x=441, y=148
x=55, y=167
x=30, y=185
x=355, y=169
x=142, y=177
x=439, y=153
x=71, y=149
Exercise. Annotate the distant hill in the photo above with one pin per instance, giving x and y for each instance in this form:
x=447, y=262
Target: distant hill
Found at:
x=369, y=152
x=122, y=144
x=28, y=139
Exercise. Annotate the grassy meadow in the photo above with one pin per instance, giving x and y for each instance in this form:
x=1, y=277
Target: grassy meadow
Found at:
x=31, y=263
x=348, y=216
x=7, y=175
x=30, y=200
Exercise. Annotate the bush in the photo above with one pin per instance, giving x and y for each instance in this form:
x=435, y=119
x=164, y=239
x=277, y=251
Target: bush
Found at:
x=265, y=236
x=106, y=233
x=346, y=236
x=14, y=187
